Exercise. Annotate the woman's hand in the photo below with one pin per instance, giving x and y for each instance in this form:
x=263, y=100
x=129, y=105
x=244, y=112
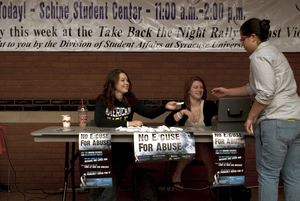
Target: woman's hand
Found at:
x=190, y=115
x=256, y=109
x=219, y=92
x=249, y=125
x=172, y=105
x=135, y=123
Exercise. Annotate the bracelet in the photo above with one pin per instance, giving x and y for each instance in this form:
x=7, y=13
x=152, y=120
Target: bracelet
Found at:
x=178, y=116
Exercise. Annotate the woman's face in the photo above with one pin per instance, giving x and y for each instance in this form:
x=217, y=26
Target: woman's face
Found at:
x=123, y=85
x=196, y=90
x=249, y=42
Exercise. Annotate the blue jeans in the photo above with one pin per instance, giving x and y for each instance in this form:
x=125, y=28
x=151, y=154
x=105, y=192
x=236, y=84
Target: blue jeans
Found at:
x=122, y=156
x=278, y=152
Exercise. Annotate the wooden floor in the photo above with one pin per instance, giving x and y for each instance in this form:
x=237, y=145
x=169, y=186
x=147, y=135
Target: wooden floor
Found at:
x=124, y=195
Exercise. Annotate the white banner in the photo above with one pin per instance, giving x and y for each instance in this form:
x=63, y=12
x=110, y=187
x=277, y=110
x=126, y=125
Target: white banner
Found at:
x=143, y=25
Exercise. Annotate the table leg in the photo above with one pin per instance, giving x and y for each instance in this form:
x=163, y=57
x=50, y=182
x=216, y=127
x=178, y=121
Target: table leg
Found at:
x=171, y=181
x=72, y=170
x=166, y=180
x=134, y=181
x=66, y=171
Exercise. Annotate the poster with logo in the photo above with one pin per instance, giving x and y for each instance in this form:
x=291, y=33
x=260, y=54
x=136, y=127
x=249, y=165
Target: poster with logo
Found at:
x=229, y=157
x=164, y=146
x=95, y=160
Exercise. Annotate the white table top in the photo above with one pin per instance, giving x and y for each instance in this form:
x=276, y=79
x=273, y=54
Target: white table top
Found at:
x=56, y=134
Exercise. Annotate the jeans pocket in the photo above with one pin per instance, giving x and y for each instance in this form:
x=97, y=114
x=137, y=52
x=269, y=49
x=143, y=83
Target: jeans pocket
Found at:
x=286, y=130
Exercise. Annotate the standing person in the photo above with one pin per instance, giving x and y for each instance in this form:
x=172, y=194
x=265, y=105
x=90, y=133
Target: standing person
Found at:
x=277, y=108
x=115, y=107
x=195, y=112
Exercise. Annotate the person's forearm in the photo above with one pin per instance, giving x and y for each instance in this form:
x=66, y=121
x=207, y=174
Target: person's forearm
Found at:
x=146, y=111
x=256, y=109
x=178, y=115
x=239, y=91
x=170, y=119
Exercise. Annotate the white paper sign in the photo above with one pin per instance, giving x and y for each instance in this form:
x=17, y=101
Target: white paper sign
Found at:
x=164, y=146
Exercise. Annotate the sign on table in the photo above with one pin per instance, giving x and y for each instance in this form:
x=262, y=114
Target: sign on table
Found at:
x=229, y=157
x=164, y=146
x=95, y=160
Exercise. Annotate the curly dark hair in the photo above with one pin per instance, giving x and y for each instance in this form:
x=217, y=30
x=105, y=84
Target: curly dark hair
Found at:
x=108, y=96
x=187, y=86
